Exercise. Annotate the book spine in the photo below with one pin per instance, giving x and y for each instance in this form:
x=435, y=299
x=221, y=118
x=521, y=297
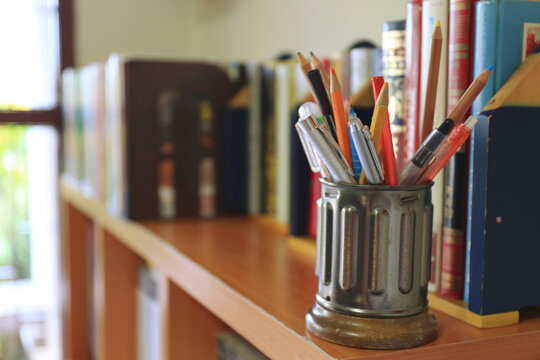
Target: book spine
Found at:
x=484, y=55
x=393, y=60
x=300, y=177
x=460, y=45
x=284, y=95
x=255, y=140
x=413, y=66
x=433, y=11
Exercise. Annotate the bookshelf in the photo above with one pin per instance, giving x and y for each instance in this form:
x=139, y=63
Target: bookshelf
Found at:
x=227, y=273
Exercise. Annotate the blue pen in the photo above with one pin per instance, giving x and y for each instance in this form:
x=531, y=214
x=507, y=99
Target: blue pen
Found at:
x=357, y=166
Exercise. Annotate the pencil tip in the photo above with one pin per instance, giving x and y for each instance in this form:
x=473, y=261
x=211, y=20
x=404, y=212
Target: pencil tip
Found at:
x=298, y=53
x=383, y=95
x=333, y=71
x=490, y=68
x=438, y=23
x=311, y=53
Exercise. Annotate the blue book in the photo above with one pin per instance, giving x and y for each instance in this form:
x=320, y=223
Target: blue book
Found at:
x=503, y=211
x=499, y=41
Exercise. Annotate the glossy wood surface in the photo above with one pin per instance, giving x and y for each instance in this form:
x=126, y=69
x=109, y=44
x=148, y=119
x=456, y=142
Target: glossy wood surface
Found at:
x=119, y=321
x=76, y=228
x=260, y=282
x=187, y=316
x=276, y=273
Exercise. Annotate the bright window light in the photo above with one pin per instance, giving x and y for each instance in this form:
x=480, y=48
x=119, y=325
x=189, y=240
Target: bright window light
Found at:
x=30, y=56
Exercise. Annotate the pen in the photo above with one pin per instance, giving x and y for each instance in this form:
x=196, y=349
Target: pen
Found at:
x=365, y=149
x=327, y=151
x=450, y=147
x=356, y=164
x=424, y=154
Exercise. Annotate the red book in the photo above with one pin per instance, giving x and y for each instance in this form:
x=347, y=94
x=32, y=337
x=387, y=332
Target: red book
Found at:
x=413, y=62
x=460, y=56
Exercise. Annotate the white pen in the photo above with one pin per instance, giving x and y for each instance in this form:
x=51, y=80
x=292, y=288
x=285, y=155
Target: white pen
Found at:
x=326, y=151
x=371, y=164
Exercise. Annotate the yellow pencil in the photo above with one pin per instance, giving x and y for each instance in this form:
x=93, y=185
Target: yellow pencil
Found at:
x=379, y=117
x=377, y=123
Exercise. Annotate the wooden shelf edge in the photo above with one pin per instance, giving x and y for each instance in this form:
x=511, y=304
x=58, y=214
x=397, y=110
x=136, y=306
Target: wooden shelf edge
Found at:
x=458, y=310
x=261, y=329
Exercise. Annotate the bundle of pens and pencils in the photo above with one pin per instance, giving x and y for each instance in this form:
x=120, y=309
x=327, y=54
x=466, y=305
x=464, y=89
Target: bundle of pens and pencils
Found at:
x=344, y=150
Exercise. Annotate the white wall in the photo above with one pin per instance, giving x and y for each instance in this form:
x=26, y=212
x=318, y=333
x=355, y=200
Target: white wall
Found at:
x=226, y=29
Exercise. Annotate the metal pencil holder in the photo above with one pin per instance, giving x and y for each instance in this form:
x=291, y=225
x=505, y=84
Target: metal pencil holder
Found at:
x=373, y=265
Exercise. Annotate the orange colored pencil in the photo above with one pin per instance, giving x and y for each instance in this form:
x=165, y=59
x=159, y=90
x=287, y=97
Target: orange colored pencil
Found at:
x=432, y=81
x=387, y=151
x=457, y=114
x=339, y=116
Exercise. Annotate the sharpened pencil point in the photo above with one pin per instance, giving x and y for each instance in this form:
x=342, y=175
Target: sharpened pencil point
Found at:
x=490, y=68
x=311, y=53
x=438, y=23
x=382, y=100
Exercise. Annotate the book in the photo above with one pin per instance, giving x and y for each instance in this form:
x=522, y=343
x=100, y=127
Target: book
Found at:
x=148, y=314
x=362, y=64
x=501, y=33
x=159, y=112
x=268, y=192
x=115, y=136
x=508, y=22
x=231, y=346
x=413, y=67
x=393, y=47
x=460, y=54
x=255, y=139
x=70, y=117
x=235, y=152
x=284, y=96
x=433, y=11
x=503, y=227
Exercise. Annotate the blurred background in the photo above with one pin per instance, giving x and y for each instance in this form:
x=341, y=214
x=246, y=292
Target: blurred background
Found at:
x=42, y=37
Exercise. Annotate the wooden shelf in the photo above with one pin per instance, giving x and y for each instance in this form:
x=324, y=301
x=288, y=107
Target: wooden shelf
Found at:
x=260, y=282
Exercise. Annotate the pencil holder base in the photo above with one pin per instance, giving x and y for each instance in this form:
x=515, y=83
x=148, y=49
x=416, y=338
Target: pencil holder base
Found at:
x=372, y=333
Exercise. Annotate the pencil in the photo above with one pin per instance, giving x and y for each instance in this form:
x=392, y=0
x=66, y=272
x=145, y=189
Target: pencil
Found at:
x=432, y=81
x=339, y=116
x=321, y=95
x=317, y=64
x=387, y=152
x=377, y=123
x=379, y=116
x=469, y=95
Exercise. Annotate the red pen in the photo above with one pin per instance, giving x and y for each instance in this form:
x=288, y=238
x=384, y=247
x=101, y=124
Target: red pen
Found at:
x=452, y=145
x=387, y=147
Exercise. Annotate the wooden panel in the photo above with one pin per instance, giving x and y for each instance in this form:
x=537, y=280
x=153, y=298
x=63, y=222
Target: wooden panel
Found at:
x=76, y=229
x=118, y=322
x=192, y=328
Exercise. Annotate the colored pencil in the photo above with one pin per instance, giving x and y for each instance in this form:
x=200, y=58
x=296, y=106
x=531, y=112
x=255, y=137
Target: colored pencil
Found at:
x=432, y=81
x=339, y=116
x=387, y=152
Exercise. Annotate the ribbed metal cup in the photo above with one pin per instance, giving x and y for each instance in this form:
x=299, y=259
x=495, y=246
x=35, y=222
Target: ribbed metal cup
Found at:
x=374, y=249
